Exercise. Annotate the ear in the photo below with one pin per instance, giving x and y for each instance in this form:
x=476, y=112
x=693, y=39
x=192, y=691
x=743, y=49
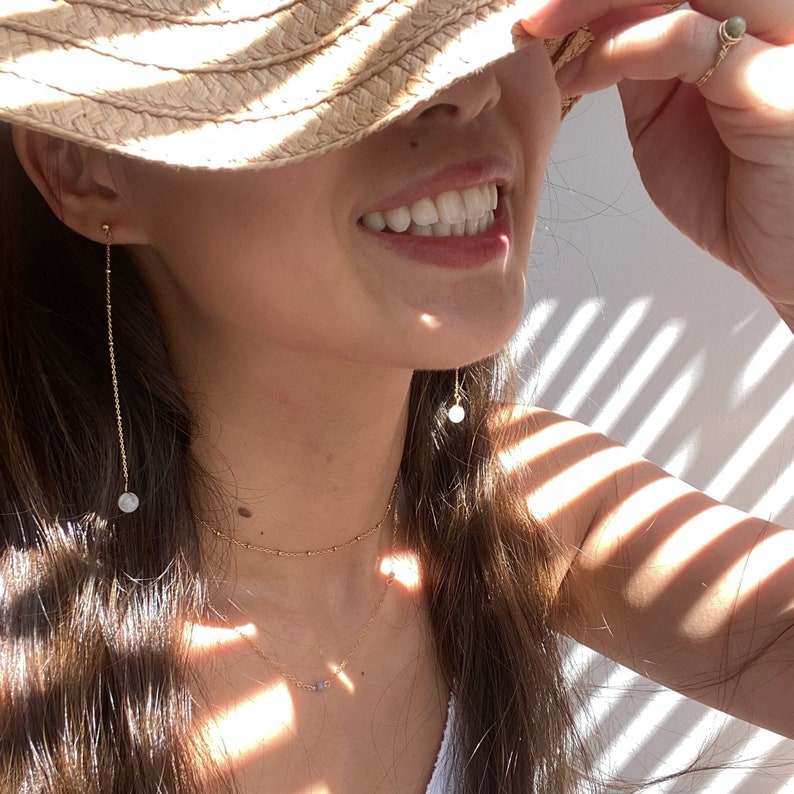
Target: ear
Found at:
x=78, y=183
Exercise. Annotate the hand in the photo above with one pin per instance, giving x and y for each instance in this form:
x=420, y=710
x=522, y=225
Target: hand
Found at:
x=717, y=159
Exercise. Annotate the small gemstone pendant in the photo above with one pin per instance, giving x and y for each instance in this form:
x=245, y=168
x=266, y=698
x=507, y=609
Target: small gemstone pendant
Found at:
x=319, y=686
x=128, y=502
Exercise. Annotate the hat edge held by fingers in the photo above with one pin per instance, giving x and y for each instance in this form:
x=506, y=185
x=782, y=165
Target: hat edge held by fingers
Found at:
x=214, y=84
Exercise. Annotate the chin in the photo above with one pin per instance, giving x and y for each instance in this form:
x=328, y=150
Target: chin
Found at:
x=458, y=342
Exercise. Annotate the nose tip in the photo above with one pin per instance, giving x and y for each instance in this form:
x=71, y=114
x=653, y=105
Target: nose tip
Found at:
x=460, y=103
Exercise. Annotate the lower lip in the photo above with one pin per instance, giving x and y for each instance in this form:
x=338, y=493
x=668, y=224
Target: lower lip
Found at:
x=459, y=253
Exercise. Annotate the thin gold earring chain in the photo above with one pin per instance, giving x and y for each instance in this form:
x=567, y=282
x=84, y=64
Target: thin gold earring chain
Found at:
x=323, y=684
x=311, y=552
x=116, y=402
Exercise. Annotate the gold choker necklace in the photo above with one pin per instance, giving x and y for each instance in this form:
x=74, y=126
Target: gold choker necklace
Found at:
x=311, y=552
x=323, y=684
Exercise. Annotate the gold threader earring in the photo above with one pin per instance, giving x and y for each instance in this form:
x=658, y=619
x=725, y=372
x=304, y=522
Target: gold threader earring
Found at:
x=128, y=501
x=456, y=412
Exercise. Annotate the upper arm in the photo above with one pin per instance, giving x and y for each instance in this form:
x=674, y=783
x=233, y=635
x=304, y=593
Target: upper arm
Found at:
x=658, y=576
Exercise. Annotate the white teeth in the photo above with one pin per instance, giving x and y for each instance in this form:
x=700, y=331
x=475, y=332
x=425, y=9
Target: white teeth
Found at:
x=475, y=206
x=494, y=195
x=374, y=221
x=452, y=213
x=451, y=207
x=424, y=212
x=398, y=219
x=485, y=197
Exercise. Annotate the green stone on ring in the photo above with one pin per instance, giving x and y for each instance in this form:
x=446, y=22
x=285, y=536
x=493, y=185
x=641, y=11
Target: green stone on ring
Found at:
x=735, y=27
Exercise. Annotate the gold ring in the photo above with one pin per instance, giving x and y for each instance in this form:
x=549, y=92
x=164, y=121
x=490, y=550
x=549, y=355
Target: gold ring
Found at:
x=731, y=32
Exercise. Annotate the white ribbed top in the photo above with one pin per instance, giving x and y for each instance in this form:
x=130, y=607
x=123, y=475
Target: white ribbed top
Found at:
x=443, y=779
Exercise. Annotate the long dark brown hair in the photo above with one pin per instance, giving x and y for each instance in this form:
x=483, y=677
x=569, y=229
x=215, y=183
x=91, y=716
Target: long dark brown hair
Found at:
x=95, y=681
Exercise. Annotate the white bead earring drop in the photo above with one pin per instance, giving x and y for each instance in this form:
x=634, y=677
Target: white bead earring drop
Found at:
x=456, y=412
x=128, y=501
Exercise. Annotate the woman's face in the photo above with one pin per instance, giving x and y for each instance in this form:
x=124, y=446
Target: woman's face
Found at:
x=284, y=257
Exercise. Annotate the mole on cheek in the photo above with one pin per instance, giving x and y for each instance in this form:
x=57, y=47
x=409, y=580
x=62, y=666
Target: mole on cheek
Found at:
x=244, y=512
x=413, y=144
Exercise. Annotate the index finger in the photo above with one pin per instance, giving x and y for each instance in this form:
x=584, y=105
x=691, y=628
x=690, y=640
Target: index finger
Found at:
x=770, y=20
x=559, y=17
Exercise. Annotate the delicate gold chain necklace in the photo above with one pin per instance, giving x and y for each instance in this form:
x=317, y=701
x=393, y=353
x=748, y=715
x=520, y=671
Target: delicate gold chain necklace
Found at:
x=311, y=552
x=323, y=684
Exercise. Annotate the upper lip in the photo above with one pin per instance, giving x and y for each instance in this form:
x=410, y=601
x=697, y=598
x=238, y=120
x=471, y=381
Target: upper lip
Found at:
x=454, y=176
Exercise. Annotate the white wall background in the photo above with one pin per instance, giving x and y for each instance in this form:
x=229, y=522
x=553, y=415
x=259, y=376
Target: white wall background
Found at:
x=634, y=331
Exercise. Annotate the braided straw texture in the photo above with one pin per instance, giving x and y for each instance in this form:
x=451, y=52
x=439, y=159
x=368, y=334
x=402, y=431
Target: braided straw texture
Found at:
x=236, y=83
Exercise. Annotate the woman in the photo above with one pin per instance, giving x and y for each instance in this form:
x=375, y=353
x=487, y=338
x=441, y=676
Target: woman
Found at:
x=259, y=552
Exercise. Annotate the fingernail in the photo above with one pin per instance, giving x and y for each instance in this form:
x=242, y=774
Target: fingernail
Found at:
x=568, y=73
x=535, y=11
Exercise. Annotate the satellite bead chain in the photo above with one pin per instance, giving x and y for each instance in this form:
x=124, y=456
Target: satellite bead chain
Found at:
x=323, y=684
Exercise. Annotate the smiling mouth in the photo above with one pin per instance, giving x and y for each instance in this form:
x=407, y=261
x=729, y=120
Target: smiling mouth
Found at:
x=453, y=213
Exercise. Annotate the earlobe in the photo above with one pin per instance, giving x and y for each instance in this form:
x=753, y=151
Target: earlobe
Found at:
x=76, y=181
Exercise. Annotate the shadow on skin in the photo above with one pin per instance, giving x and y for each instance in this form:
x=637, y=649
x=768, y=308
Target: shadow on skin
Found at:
x=663, y=579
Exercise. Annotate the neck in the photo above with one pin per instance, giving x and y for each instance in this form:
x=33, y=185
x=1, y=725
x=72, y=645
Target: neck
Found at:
x=306, y=453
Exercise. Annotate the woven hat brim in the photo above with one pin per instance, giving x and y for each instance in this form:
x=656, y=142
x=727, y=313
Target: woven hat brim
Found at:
x=191, y=84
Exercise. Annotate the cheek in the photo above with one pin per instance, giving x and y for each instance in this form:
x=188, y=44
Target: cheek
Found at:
x=533, y=105
x=252, y=229
x=266, y=258
x=240, y=259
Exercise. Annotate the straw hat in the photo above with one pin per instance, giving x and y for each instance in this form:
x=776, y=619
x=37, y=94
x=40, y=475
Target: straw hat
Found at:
x=240, y=83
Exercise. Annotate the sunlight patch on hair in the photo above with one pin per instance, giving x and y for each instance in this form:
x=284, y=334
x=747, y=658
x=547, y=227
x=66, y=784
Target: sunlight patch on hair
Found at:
x=200, y=637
